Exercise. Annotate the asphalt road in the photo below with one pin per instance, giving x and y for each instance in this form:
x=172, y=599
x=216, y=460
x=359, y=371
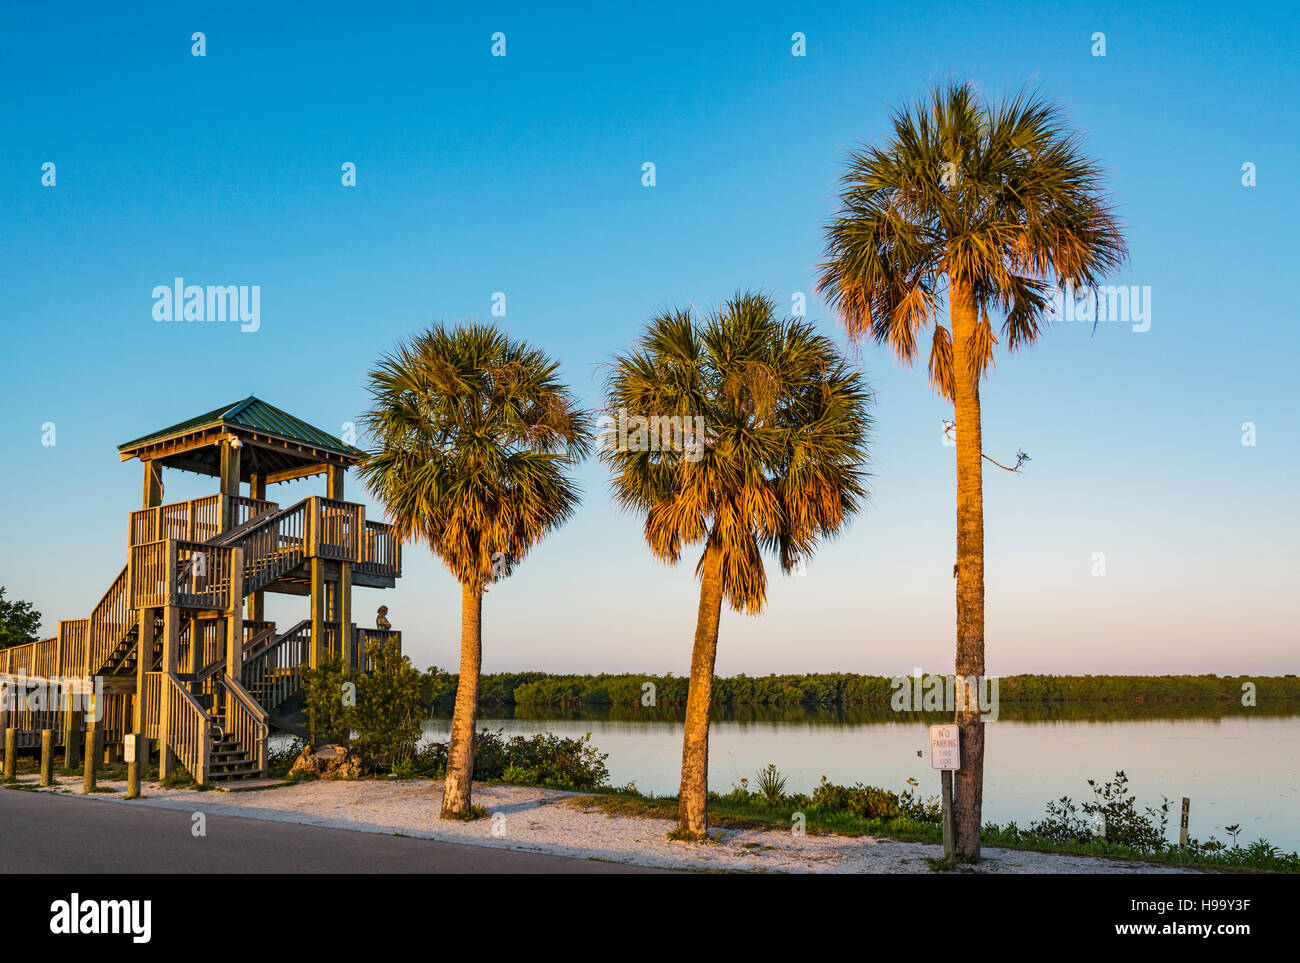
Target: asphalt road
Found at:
x=50, y=833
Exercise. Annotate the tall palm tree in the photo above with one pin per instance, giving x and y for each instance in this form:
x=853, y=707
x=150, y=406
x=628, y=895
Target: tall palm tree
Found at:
x=770, y=456
x=474, y=435
x=987, y=205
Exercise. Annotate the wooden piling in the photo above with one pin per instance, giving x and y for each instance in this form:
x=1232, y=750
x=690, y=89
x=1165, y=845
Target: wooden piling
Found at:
x=91, y=767
x=47, y=757
x=11, y=754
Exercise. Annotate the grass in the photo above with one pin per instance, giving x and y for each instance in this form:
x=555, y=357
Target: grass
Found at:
x=180, y=779
x=471, y=814
x=727, y=815
x=756, y=815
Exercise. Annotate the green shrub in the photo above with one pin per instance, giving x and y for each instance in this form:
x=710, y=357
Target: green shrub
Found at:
x=328, y=694
x=392, y=700
x=546, y=759
x=867, y=801
x=377, y=713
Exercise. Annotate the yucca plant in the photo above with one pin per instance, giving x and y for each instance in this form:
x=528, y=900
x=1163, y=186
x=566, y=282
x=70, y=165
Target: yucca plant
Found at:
x=773, y=461
x=771, y=784
x=984, y=206
x=474, y=435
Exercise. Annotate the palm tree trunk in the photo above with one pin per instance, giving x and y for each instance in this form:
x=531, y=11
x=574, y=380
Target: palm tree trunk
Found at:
x=460, y=754
x=692, y=811
x=968, y=789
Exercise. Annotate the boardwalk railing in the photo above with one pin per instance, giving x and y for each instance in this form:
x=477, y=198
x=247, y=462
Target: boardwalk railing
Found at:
x=361, y=638
x=151, y=704
x=381, y=551
x=74, y=646
x=336, y=529
x=196, y=520
x=174, y=572
x=31, y=659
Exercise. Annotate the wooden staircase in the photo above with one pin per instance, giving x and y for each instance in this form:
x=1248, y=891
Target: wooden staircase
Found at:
x=181, y=562
x=227, y=760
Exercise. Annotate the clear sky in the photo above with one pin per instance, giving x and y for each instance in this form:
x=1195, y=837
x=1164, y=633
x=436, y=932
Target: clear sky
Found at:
x=522, y=174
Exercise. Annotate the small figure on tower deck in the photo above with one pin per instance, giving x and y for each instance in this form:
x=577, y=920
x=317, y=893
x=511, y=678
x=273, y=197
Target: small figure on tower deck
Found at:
x=381, y=620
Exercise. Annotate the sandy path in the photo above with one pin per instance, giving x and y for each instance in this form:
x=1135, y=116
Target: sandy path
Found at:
x=542, y=821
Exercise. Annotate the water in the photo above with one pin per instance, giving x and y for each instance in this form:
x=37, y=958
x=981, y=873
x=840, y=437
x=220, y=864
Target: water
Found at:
x=1236, y=766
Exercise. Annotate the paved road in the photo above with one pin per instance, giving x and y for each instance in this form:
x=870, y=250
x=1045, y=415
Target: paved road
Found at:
x=49, y=833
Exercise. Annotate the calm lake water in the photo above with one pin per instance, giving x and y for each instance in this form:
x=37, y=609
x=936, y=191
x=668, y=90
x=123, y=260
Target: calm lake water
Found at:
x=1235, y=766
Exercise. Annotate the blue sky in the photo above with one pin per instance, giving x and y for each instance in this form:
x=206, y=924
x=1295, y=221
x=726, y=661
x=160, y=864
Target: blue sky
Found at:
x=522, y=174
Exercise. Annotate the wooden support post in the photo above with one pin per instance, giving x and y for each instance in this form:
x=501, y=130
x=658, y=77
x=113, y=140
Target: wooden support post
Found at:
x=334, y=482
x=317, y=612
x=194, y=657
x=1182, y=826
x=256, y=602
x=345, y=616
x=47, y=757
x=144, y=646
x=143, y=664
x=71, y=735
x=153, y=486
x=11, y=754
x=171, y=642
x=945, y=777
x=205, y=755
x=235, y=617
x=136, y=756
x=229, y=480
x=90, y=769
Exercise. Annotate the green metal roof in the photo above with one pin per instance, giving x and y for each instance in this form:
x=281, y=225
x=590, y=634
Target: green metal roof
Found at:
x=252, y=414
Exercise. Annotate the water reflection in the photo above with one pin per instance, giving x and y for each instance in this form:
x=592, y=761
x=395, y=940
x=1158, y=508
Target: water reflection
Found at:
x=883, y=715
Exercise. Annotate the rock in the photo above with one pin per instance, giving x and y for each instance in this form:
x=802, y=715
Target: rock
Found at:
x=348, y=768
x=305, y=764
x=327, y=755
x=328, y=762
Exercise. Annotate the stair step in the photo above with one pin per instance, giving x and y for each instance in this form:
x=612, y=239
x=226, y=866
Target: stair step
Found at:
x=235, y=765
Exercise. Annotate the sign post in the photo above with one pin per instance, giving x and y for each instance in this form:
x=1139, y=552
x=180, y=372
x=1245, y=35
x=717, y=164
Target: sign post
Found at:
x=945, y=755
x=132, y=766
x=1182, y=829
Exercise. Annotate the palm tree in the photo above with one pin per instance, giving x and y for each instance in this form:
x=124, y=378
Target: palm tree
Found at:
x=987, y=204
x=766, y=453
x=475, y=433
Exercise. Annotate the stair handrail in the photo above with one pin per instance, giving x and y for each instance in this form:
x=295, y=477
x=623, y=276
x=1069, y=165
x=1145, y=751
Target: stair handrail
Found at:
x=116, y=601
x=262, y=640
x=275, y=544
x=189, y=733
x=260, y=671
x=246, y=720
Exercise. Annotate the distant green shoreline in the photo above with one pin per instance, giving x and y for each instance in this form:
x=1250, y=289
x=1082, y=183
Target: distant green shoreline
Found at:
x=847, y=690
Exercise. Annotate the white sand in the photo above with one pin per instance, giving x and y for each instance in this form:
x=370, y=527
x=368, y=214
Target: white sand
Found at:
x=544, y=821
